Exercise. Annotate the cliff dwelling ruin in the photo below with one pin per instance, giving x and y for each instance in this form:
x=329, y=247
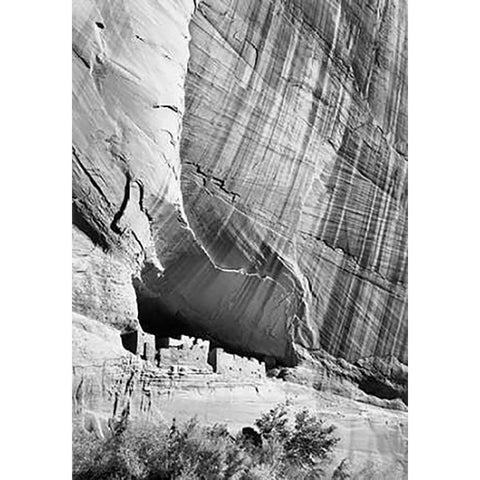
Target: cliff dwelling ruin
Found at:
x=188, y=355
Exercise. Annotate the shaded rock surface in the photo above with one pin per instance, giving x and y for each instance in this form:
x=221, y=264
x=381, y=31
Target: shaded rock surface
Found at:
x=240, y=173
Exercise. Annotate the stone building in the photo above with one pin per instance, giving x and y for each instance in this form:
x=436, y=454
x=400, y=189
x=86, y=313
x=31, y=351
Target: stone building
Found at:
x=235, y=365
x=191, y=355
x=184, y=352
x=140, y=343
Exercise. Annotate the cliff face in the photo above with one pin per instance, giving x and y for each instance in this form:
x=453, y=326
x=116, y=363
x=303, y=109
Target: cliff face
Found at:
x=129, y=65
x=294, y=165
x=240, y=171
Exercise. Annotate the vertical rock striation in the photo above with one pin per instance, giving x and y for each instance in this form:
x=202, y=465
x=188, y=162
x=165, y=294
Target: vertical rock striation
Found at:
x=240, y=172
x=295, y=163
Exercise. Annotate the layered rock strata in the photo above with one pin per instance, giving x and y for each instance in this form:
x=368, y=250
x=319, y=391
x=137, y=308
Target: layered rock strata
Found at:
x=104, y=392
x=240, y=173
x=295, y=167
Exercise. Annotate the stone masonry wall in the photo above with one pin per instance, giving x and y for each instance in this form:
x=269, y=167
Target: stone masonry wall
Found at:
x=235, y=365
x=140, y=343
x=190, y=353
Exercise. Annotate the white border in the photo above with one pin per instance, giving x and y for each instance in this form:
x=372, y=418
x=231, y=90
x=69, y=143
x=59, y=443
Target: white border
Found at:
x=444, y=344
x=35, y=108
x=35, y=198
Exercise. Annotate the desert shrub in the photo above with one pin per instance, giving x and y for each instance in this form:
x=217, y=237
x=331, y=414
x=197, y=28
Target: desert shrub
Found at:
x=343, y=471
x=306, y=445
x=310, y=441
x=131, y=453
x=203, y=453
x=274, y=424
x=189, y=451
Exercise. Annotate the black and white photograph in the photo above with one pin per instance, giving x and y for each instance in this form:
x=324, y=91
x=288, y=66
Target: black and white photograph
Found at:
x=239, y=239
x=217, y=261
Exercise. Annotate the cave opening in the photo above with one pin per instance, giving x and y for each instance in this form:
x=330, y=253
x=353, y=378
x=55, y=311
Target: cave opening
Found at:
x=155, y=318
x=379, y=389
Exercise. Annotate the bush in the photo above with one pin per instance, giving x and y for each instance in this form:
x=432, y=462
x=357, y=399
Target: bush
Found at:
x=190, y=451
x=306, y=445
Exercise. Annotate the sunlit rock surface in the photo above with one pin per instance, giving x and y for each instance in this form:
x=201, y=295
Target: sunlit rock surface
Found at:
x=294, y=166
x=240, y=172
x=129, y=65
x=374, y=439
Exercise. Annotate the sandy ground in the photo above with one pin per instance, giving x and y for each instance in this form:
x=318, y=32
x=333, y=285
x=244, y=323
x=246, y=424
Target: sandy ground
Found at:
x=370, y=435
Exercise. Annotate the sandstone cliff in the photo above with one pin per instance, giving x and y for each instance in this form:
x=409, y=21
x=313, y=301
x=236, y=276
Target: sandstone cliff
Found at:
x=240, y=172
